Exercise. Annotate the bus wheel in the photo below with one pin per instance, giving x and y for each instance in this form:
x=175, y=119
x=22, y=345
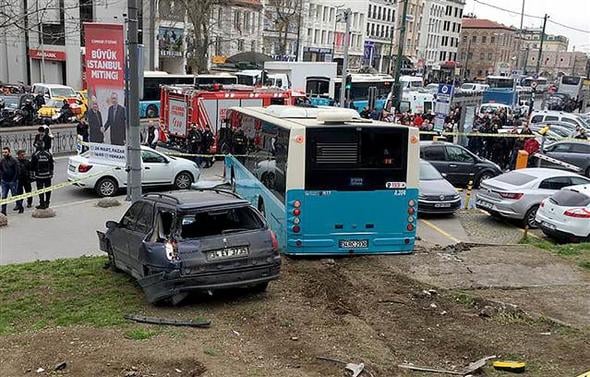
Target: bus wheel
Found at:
x=261, y=208
x=152, y=111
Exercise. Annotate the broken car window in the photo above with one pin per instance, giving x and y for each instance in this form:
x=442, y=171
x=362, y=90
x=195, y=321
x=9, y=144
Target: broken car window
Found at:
x=226, y=221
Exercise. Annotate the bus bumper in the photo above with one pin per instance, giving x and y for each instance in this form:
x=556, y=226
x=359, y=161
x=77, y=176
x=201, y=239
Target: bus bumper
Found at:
x=332, y=246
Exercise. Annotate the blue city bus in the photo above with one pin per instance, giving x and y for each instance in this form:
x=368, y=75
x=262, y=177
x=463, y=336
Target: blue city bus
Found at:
x=359, y=90
x=149, y=104
x=327, y=181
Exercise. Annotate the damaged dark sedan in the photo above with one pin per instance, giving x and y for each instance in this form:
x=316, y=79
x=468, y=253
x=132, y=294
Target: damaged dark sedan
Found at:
x=192, y=241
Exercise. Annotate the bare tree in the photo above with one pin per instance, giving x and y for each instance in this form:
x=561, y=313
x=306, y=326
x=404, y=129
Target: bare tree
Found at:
x=284, y=15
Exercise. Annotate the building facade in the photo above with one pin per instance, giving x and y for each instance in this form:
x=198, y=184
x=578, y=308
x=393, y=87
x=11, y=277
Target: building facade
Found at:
x=414, y=19
x=282, y=25
x=379, y=34
x=486, y=48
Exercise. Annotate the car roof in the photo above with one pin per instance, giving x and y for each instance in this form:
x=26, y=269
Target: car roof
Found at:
x=52, y=86
x=196, y=199
x=553, y=112
x=546, y=172
x=426, y=143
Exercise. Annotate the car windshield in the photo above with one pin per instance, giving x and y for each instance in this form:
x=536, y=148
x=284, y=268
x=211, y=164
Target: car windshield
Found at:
x=10, y=102
x=468, y=86
x=53, y=103
x=63, y=92
x=219, y=222
x=515, y=178
x=429, y=172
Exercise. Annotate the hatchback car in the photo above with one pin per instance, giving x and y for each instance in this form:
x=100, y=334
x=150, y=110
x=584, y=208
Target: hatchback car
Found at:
x=565, y=215
x=518, y=194
x=195, y=240
x=437, y=195
x=456, y=164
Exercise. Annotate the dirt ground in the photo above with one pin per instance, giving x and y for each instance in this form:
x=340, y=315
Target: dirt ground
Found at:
x=355, y=309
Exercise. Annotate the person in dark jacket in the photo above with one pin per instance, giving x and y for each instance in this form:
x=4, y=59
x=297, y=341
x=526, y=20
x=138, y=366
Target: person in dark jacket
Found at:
x=116, y=121
x=82, y=131
x=94, y=119
x=24, y=180
x=207, y=142
x=42, y=166
x=9, y=172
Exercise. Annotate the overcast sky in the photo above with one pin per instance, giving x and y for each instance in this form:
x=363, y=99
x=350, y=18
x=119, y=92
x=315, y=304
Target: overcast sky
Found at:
x=574, y=13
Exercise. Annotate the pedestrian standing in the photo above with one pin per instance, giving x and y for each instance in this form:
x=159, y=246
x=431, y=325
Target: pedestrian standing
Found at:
x=42, y=166
x=8, y=176
x=24, y=180
x=153, y=135
x=82, y=131
x=208, y=140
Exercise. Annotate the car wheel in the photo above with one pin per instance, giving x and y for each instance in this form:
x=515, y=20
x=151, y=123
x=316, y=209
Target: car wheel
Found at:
x=106, y=186
x=152, y=111
x=529, y=218
x=183, y=180
x=485, y=175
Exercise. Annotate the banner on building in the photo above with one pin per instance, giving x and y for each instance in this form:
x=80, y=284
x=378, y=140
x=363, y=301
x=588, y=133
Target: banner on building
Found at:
x=105, y=81
x=170, y=41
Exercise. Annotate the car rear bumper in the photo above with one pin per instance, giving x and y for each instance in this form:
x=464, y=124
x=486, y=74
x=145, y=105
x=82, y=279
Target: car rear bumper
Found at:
x=560, y=230
x=163, y=285
x=560, y=235
x=502, y=208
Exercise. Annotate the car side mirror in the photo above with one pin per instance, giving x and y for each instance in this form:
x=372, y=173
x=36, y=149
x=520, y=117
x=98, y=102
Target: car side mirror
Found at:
x=112, y=224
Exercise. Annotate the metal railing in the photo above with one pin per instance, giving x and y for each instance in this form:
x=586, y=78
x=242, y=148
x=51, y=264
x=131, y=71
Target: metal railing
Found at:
x=64, y=141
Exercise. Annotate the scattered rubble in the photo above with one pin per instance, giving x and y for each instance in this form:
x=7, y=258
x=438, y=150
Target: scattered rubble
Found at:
x=108, y=202
x=43, y=213
x=3, y=220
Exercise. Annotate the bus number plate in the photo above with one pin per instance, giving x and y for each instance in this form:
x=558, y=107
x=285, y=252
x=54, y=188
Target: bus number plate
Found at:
x=353, y=244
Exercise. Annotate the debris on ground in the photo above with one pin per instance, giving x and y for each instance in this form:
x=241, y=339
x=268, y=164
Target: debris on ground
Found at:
x=60, y=366
x=108, y=202
x=44, y=213
x=40, y=370
x=471, y=368
x=510, y=366
x=3, y=220
x=355, y=369
x=168, y=322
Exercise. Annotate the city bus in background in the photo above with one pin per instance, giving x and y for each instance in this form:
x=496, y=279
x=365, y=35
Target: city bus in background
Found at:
x=216, y=78
x=539, y=84
x=502, y=90
x=571, y=85
x=149, y=103
x=501, y=82
x=359, y=90
x=327, y=181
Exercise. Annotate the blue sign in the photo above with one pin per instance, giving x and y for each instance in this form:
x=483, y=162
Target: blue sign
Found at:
x=368, y=50
x=445, y=90
x=443, y=105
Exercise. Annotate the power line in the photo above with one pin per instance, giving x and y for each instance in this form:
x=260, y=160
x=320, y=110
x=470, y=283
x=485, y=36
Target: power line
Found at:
x=570, y=27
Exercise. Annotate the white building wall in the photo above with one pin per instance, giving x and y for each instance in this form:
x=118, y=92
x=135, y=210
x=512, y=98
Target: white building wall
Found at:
x=430, y=33
x=451, y=29
x=13, y=66
x=380, y=30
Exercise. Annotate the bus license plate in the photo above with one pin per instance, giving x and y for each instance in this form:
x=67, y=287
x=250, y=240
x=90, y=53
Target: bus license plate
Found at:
x=353, y=244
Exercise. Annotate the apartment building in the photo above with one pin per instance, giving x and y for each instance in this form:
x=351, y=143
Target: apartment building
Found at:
x=414, y=22
x=380, y=32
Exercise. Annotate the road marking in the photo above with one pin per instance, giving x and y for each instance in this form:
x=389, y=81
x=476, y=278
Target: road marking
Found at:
x=439, y=230
x=504, y=222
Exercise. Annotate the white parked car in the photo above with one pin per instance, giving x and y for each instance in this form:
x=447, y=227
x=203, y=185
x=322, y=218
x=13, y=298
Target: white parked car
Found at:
x=566, y=214
x=157, y=170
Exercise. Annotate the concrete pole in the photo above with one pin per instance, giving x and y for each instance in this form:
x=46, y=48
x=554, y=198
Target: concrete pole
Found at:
x=541, y=46
x=133, y=145
x=152, y=36
x=400, y=54
x=347, y=13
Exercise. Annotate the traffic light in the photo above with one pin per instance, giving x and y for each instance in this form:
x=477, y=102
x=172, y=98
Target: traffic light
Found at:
x=348, y=82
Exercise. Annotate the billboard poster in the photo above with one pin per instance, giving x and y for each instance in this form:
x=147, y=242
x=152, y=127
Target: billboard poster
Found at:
x=105, y=81
x=170, y=41
x=177, y=117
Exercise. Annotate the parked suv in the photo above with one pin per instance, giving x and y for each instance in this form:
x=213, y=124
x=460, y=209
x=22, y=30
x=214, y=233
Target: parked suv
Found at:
x=457, y=164
x=194, y=240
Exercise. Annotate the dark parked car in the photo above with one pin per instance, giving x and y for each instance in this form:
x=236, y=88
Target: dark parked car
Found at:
x=437, y=195
x=189, y=241
x=457, y=164
x=572, y=152
x=10, y=109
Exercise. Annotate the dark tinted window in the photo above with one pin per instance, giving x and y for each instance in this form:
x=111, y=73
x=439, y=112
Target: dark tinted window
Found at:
x=570, y=80
x=151, y=157
x=218, y=222
x=555, y=183
x=568, y=120
x=130, y=217
x=355, y=158
x=570, y=198
x=315, y=86
x=565, y=147
x=145, y=218
x=515, y=178
x=268, y=161
x=580, y=148
x=434, y=153
x=537, y=119
x=457, y=154
x=550, y=118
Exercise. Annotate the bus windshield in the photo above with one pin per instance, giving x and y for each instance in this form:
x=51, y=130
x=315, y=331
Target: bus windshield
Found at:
x=359, y=91
x=355, y=158
x=571, y=80
x=500, y=82
x=215, y=79
x=152, y=83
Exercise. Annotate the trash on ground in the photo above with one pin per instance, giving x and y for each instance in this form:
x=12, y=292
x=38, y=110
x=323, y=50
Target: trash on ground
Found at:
x=510, y=366
x=355, y=369
x=472, y=367
x=168, y=322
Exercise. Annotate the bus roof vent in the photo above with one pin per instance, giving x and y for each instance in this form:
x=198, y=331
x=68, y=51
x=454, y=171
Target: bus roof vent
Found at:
x=337, y=115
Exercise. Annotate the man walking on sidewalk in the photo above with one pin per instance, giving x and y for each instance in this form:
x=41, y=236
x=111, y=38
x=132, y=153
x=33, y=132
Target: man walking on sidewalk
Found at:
x=24, y=180
x=42, y=167
x=8, y=176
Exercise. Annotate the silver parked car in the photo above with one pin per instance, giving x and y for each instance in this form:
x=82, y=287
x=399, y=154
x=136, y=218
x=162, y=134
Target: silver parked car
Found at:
x=517, y=194
x=437, y=195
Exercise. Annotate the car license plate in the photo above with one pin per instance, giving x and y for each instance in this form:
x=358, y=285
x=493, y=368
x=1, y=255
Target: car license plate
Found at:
x=442, y=205
x=548, y=226
x=228, y=252
x=353, y=244
x=484, y=204
x=71, y=168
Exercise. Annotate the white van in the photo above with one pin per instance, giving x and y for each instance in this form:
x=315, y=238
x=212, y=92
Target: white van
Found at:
x=411, y=82
x=541, y=116
x=470, y=87
x=50, y=91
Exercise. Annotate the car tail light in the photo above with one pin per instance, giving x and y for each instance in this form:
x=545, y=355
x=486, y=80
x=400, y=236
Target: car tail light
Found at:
x=542, y=204
x=275, y=242
x=580, y=213
x=83, y=168
x=511, y=195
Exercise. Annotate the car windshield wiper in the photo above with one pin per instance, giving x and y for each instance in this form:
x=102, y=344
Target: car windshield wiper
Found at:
x=234, y=230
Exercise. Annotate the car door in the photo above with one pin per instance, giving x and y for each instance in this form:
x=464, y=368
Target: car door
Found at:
x=462, y=167
x=435, y=154
x=120, y=236
x=560, y=151
x=580, y=156
x=143, y=226
x=156, y=168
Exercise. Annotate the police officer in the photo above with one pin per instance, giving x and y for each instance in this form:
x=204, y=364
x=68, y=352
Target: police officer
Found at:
x=24, y=180
x=42, y=166
x=207, y=142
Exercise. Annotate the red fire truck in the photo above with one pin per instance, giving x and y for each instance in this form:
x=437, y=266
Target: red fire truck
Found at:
x=182, y=106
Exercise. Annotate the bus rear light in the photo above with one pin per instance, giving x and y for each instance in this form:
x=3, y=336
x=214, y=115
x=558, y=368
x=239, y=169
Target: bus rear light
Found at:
x=296, y=229
x=296, y=212
x=412, y=203
x=411, y=211
x=296, y=220
x=298, y=243
x=410, y=219
x=297, y=204
x=410, y=227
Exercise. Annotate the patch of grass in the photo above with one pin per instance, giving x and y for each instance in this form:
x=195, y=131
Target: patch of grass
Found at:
x=140, y=333
x=63, y=293
x=465, y=299
x=576, y=252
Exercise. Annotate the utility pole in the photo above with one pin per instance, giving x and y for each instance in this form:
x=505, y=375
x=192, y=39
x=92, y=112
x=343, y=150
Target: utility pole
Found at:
x=346, y=15
x=133, y=145
x=300, y=3
x=41, y=44
x=520, y=33
x=152, y=34
x=400, y=54
x=542, y=40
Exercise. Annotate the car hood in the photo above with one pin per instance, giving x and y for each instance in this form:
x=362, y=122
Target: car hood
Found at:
x=436, y=187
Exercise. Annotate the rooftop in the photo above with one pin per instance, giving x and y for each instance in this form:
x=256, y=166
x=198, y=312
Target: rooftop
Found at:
x=482, y=23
